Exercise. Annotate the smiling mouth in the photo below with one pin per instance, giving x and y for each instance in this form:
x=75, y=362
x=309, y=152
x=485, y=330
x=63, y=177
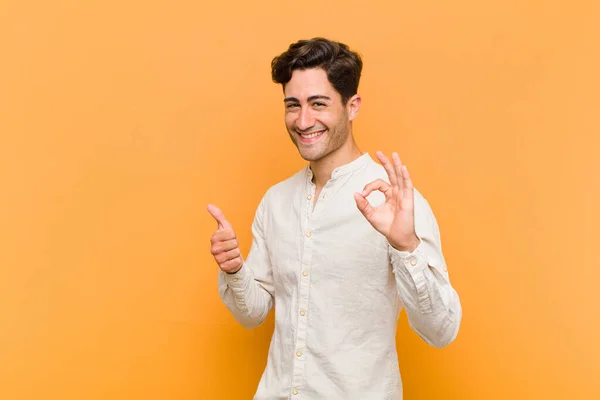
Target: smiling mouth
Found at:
x=310, y=136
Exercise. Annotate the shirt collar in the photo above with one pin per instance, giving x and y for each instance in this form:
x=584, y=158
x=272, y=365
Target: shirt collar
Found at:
x=346, y=168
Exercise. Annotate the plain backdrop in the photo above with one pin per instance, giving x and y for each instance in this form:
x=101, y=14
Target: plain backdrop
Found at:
x=121, y=120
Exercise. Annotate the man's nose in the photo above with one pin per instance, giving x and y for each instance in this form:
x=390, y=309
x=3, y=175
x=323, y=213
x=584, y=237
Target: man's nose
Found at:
x=305, y=120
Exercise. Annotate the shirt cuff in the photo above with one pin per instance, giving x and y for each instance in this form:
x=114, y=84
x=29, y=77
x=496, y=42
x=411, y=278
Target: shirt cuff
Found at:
x=414, y=262
x=237, y=280
x=239, y=284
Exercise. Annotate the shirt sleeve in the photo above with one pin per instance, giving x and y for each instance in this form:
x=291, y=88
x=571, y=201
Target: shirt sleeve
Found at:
x=248, y=293
x=431, y=303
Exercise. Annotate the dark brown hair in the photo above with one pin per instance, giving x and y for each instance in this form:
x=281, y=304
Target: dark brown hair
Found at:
x=343, y=66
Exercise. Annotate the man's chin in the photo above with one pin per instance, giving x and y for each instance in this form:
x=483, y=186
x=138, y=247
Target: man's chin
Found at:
x=310, y=155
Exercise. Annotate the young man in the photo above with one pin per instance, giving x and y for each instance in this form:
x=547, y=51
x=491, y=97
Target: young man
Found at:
x=337, y=267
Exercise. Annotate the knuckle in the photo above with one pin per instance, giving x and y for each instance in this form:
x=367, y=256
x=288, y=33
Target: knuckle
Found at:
x=215, y=247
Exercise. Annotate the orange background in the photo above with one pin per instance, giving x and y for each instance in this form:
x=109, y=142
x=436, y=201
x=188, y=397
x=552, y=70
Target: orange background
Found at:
x=120, y=121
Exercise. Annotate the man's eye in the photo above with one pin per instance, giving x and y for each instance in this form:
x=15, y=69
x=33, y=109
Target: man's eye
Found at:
x=290, y=106
x=318, y=104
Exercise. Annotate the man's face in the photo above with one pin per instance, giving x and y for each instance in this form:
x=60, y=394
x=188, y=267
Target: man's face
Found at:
x=315, y=117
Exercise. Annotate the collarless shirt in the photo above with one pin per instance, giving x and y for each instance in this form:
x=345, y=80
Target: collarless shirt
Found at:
x=337, y=287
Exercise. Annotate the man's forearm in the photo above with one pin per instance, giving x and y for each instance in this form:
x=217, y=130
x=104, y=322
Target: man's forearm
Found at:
x=247, y=299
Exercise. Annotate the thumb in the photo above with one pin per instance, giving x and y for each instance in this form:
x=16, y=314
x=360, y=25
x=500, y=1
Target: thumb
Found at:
x=364, y=206
x=218, y=215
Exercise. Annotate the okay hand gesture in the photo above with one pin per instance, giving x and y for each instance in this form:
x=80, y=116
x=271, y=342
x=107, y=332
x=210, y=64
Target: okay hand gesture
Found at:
x=394, y=218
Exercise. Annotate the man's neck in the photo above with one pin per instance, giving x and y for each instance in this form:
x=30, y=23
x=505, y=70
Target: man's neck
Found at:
x=323, y=168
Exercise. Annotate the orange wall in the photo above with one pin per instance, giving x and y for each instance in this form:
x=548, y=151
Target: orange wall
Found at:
x=120, y=121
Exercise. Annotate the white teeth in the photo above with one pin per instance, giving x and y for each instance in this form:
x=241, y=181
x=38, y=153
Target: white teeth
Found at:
x=311, y=135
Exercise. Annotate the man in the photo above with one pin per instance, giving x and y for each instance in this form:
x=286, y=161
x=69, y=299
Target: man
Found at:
x=336, y=266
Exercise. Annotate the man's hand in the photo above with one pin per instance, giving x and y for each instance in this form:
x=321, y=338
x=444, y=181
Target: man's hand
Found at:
x=395, y=218
x=224, y=245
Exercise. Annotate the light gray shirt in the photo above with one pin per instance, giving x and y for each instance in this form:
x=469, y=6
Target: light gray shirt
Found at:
x=338, y=287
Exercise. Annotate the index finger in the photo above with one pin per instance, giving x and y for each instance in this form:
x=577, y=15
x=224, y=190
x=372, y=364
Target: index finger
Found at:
x=218, y=215
x=388, y=168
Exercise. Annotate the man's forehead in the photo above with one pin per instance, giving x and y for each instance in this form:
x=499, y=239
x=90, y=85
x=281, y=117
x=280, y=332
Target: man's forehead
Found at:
x=307, y=89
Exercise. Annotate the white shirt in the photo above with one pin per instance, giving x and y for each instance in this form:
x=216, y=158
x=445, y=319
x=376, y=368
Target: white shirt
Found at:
x=338, y=287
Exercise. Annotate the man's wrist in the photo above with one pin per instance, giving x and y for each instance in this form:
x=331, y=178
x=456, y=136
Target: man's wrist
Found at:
x=409, y=248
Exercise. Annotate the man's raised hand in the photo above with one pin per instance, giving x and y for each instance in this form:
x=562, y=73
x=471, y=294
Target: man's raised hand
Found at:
x=394, y=218
x=223, y=243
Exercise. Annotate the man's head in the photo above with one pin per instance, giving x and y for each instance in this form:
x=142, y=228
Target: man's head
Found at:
x=320, y=82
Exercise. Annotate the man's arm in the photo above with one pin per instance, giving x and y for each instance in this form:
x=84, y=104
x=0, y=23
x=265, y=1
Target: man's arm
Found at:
x=431, y=303
x=408, y=224
x=246, y=287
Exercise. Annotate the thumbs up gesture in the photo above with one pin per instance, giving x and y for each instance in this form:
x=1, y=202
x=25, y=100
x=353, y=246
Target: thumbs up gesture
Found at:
x=224, y=245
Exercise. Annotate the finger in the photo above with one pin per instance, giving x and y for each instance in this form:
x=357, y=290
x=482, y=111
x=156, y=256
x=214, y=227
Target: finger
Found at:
x=227, y=255
x=218, y=215
x=388, y=168
x=232, y=265
x=223, y=246
x=398, y=170
x=408, y=184
x=222, y=236
x=378, y=184
x=364, y=206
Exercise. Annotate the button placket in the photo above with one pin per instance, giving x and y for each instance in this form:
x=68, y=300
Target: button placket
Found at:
x=304, y=289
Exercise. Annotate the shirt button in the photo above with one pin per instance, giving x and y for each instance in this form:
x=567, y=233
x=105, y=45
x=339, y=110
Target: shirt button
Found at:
x=309, y=197
x=413, y=261
x=302, y=312
x=308, y=234
x=299, y=353
x=236, y=279
x=304, y=273
x=295, y=391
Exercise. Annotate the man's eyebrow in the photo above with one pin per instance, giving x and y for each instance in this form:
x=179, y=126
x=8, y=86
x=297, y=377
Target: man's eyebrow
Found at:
x=319, y=96
x=311, y=98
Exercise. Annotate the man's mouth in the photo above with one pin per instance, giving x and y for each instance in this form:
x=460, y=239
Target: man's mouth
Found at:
x=310, y=137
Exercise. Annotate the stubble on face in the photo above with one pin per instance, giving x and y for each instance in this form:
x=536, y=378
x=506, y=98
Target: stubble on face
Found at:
x=333, y=138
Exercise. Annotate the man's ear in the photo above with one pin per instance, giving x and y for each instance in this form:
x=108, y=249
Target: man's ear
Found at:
x=353, y=106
